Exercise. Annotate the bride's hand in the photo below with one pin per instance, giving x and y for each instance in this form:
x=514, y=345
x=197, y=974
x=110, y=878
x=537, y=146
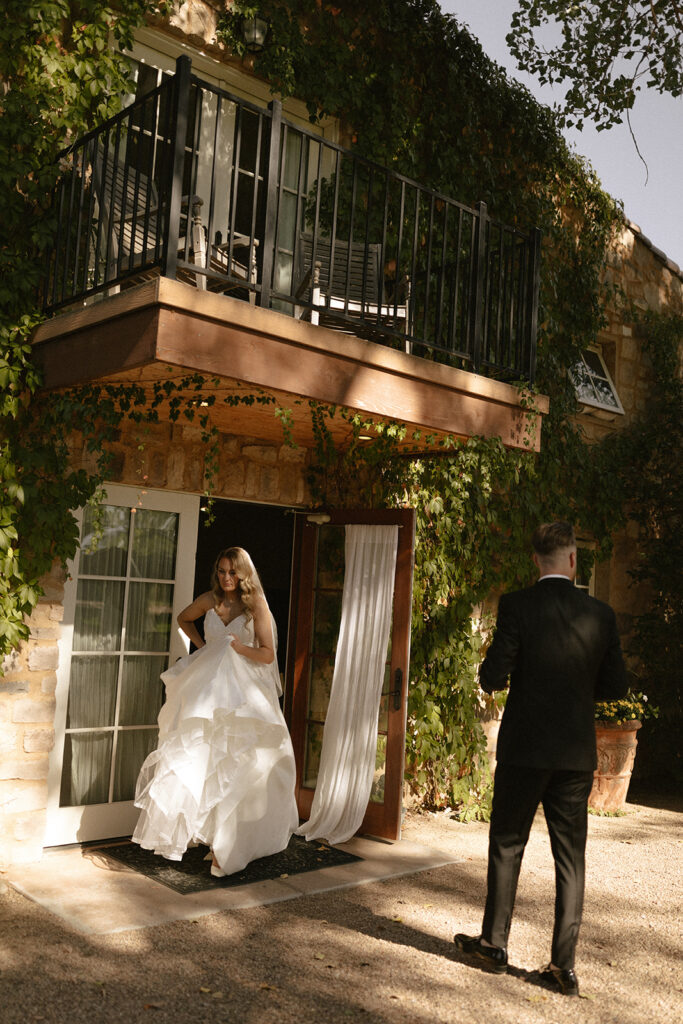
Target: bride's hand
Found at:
x=238, y=646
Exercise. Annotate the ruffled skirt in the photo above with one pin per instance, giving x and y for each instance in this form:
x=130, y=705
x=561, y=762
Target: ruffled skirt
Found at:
x=223, y=773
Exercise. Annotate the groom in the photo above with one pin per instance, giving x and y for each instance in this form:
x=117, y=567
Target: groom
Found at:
x=561, y=649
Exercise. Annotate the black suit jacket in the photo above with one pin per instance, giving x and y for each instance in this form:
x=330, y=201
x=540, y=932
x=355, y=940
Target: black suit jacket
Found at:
x=561, y=649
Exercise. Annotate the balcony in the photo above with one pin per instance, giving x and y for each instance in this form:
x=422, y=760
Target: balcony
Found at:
x=283, y=239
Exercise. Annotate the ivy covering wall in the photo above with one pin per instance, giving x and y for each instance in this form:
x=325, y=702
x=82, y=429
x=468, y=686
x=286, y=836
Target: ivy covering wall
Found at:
x=413, y=90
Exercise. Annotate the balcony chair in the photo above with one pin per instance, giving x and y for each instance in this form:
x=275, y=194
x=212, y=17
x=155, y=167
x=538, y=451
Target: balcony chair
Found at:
x=220, y=266
x=349, y=301
x=129, y=210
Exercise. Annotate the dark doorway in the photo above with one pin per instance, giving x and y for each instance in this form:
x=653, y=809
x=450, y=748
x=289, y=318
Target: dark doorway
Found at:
x=266, y=532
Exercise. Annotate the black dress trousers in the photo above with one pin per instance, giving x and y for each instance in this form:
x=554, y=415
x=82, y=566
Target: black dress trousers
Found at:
x=517, y=793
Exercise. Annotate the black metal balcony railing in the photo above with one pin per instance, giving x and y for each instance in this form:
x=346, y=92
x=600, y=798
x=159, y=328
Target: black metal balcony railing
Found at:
x=193, y=183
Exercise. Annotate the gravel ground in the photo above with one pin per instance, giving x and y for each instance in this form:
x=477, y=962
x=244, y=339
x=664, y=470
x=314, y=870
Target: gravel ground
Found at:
x=378, y=952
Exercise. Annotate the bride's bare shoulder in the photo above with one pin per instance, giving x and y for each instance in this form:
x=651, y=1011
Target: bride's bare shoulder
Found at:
x=199, y=606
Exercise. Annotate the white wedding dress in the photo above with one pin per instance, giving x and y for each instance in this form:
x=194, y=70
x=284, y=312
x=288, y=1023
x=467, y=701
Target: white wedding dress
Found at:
x=223, y=772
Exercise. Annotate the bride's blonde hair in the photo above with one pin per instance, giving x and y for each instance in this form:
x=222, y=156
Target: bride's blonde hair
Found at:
x=249, y=586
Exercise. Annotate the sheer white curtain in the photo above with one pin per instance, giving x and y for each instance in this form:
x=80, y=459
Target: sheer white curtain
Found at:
x=347, y=760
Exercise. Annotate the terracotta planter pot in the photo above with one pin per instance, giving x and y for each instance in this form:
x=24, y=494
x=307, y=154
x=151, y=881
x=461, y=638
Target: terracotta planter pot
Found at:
x=616, y=753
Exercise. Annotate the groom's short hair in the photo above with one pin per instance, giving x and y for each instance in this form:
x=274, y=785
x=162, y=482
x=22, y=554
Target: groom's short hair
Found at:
x=551, y=537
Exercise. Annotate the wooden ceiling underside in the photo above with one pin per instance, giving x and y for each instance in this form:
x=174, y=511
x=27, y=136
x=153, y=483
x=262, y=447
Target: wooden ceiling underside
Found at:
x=257, y=413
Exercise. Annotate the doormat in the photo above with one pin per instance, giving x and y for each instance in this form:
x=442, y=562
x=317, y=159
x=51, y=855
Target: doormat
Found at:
x=193, y=873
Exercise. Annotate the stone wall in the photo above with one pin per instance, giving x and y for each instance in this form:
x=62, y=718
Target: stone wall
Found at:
x=27, y=709
x=171, y=456
x=651, y=281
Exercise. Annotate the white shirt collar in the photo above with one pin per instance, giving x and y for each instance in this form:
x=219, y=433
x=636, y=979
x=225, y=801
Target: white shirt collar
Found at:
x=554, y=576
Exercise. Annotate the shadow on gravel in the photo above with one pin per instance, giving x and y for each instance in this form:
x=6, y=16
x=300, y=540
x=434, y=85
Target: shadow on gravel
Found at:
x=644, y=795
x=520, y=973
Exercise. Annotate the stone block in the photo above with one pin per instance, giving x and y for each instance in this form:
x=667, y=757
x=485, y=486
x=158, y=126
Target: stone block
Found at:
x=49, y=684
x=289, y=454
x=57, y=574
x=303, y=495
x=259, y=453
x=156, y=469
x=9, y=739
x=150, y=432
x=628, y=373
x=194, y=470
x=229, y=447
x=57, y=612
x=24, y=768
x=175, y=469
x=29, y=827
x=19, y=796
x=14, y=685
x=44, y=633
x=30, y=711
x=29, y=851
x=188, y=432
x=627, y=397
x=290, y=480
x=11, y=663
x=39, y=617
x=43, y=658
x=231, y=480
x=89, y=462
x=270, y=484
x=132, y=470
x=115, y=468
x=38, y=741
x=252, y=483
x=197, y=19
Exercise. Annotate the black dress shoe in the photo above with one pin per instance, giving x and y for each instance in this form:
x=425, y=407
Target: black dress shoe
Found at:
x=493, y=958
x=563, y=981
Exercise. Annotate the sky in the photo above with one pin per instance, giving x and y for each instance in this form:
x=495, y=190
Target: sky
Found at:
x=653, y=201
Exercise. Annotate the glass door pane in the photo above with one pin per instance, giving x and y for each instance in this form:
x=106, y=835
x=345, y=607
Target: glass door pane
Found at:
x=121, y=643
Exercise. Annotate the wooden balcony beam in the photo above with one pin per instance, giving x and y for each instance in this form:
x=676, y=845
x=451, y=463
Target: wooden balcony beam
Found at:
x=165, y=324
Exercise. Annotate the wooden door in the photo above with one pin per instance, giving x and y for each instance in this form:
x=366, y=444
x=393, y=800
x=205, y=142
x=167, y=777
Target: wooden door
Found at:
x=314, y=629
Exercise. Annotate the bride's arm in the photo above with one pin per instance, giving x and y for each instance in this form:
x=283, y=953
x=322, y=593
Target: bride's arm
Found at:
x=186, y=618
x=263, y=631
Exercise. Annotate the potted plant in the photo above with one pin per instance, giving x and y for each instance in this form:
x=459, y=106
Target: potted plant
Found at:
x=616, y=725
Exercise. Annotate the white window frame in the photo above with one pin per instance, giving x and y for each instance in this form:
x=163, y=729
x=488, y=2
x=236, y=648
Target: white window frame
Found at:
x=589, y=586
x=591, y=405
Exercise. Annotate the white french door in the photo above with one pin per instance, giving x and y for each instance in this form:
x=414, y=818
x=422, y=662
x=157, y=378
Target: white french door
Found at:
x=132, y=575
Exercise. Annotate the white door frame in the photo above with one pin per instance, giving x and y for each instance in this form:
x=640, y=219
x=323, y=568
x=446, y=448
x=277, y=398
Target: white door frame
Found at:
x=101, y=821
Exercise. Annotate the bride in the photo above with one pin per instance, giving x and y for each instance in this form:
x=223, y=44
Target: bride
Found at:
x=223, y=773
